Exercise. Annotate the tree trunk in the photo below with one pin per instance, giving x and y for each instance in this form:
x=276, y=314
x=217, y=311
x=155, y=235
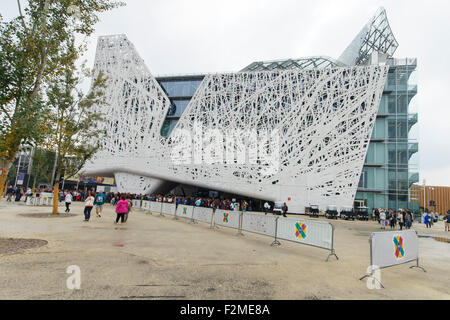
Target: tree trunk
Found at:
x=2, y=184
x=4, y=169
x=55, y=198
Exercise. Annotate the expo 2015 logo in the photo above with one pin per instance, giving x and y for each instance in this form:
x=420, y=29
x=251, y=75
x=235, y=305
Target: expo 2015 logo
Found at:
x=398, y=247
x=300, y=230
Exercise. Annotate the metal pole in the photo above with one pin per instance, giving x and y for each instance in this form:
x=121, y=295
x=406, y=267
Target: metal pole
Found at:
x=18, y=169
x=332, y=253
x=276, y=242
x=192, y=218
x=176, y=208
x=241, y=217
x=213, y=224
x=161, y=212
x=370, y=275
x=30, y=166
x=424, y=196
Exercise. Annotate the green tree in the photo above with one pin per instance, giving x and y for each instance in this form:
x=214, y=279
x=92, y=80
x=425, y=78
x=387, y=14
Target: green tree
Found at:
x=32, y=54
x=72, y=127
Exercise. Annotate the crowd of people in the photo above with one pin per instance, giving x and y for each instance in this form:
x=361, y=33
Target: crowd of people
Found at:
x=17, y=193
x=404, y=218
x=122, y=203
x=400, y=218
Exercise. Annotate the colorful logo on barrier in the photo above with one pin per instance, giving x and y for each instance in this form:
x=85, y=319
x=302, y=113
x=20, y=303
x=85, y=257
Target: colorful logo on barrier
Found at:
x=300, y=232
x=225, y=217
x=184, y=211
x=399, y=249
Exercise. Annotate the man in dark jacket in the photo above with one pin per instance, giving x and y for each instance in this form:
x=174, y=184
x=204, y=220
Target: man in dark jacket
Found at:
x=285, y=209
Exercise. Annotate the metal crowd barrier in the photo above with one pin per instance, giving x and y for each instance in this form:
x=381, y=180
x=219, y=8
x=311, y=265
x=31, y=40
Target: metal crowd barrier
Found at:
x=39, y=201
x=392, y=248
x=314, y=233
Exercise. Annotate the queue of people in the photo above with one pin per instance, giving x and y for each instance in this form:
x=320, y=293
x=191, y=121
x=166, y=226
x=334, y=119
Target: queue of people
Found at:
x=401, y=218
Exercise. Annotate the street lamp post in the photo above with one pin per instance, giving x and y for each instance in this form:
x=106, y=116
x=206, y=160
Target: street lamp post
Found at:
x=429, y=192
x=424, y=197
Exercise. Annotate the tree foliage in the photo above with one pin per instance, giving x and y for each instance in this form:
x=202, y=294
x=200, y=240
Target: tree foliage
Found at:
x=33, y=49
x=33, y=52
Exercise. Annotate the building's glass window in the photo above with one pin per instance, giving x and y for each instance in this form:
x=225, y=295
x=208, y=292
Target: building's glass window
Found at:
x=181, y=88
x=167, y=127
x=180, y=106
x=380, y=153
x=392, y=103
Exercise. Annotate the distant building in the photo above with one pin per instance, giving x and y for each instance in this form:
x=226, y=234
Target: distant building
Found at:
x=431, y=198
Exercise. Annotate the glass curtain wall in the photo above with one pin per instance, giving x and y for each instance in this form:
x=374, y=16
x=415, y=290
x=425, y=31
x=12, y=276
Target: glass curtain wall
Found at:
x=180, y=91
x=391, y=165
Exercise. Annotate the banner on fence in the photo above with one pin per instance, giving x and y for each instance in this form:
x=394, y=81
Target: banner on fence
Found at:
x=314, y=233
x=258, y=223
x=203, y=214
x=184, y=211
x=169, y=208
x=136, y=203
x=155, y=207
x=227, y=218
x=394, y=247
x=145, y=205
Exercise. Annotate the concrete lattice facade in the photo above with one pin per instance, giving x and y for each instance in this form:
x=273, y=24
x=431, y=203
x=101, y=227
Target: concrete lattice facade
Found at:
x=321, y=112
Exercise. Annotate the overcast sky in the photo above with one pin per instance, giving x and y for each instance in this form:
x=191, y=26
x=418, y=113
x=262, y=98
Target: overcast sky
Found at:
x=196, y=36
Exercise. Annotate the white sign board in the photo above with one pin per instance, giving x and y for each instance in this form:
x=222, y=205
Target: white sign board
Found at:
x=185, y=211
x=258, y=223
x=311, y=232
x=202, y=214
x=227, y=218
x=394, y=247
x=145, y=205
x=136, y=203
x=155, y=206
x=169, y=208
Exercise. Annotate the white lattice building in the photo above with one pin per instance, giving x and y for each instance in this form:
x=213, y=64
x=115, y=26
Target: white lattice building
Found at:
x=296, y=134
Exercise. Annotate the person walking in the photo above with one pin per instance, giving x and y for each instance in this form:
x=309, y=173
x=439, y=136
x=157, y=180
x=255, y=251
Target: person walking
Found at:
x=28, y=194
x=130, y=205
x=266, y=207
x=99, y=202
x=68, y=200
x=408, y=220
x=447, y=222
x=18, y=194
x=400, y=218
x=391, y=219
x=121, y=209
x=9, y=193
x=88, y=205
x=284, y=209
x=244, y=206
x=383, y=219
x=426, y=220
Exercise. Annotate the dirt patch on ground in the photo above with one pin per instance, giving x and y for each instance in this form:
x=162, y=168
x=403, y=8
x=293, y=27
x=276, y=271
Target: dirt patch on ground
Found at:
x=10, y=245
x=47, y=215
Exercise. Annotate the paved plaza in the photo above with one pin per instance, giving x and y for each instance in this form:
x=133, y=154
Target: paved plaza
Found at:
x=153, y=257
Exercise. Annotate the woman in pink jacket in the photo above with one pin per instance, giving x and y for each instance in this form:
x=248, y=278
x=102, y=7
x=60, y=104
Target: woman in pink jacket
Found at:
x=121, y=209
